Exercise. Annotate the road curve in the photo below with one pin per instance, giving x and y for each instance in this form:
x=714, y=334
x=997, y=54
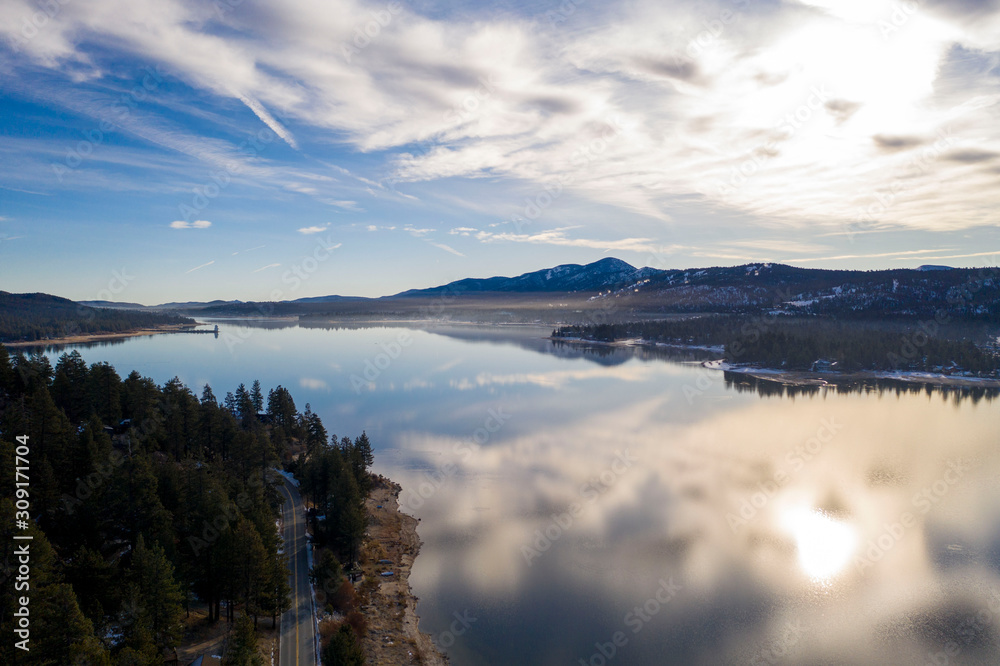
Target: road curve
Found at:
x=297, y=646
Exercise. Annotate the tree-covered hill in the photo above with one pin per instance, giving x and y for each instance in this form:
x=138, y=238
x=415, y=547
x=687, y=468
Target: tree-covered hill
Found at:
x=144, y=500
x=796, y=343
x=30, y=317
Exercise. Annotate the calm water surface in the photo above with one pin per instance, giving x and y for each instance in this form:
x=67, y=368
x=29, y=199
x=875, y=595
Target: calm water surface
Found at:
x=593, y=508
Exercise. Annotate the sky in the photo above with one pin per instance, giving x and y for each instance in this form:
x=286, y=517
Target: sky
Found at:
x=172, y=150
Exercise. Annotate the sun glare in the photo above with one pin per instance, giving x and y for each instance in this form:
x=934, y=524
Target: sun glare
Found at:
x=824, y=545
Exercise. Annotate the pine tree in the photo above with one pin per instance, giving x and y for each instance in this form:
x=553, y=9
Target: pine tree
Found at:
x=256, y=397
x=154, y=592
x=343, y=649
x=242, y=649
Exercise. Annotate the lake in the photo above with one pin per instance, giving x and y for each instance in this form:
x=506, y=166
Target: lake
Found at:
x=607, y=505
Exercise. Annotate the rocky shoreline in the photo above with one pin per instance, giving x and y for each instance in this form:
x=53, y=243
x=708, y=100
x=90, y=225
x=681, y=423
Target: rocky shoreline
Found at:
x=390, y=607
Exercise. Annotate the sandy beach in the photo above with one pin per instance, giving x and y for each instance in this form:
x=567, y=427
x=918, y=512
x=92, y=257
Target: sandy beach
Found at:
x=100, y=337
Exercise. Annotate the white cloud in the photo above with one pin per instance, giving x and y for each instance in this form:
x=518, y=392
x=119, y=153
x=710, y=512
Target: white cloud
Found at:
x=264, y=268
x=314, y=229
x=197, y=224
x=314, y=384
x=559, y=237
x=616, y=106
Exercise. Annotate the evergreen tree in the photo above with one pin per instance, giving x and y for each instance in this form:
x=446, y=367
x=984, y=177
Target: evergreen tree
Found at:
x=154, y=592
x=344, y=649
x=242, y=649
x=256, y=397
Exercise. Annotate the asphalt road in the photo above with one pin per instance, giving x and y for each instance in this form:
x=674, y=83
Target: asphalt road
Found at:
x=298, y=638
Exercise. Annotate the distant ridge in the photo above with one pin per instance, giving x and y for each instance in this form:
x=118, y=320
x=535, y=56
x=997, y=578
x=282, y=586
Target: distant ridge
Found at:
x=565, y=278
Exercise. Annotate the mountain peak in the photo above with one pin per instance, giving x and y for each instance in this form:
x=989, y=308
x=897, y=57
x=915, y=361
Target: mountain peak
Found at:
x=601, y=274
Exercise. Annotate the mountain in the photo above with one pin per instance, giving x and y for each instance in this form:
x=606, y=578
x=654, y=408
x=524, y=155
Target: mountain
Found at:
x=327, y=299
x=114, y=305
x=567, y=278
x=968, y=293
x=621, y=291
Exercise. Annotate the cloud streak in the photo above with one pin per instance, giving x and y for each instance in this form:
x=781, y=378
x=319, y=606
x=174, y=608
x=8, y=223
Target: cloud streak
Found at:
x=198, y=268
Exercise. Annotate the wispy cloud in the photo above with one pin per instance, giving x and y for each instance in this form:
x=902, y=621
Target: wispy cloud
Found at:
x=559, y=237
x=198, y=268
x=876, y=255
x=446, y=248
x=615, y=109
x=314, y=384
x=314, y=229
x=197, y=224
x=249, y=249
x=264, y=268
x=994, y=253
x=269, y=120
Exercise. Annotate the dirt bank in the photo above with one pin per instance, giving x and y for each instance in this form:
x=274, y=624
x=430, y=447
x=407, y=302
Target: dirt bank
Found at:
x=393, y=635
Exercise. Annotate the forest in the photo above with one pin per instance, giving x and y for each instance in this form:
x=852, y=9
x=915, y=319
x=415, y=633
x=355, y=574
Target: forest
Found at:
x=30, y=317
x=146, y=500
x=796, y=343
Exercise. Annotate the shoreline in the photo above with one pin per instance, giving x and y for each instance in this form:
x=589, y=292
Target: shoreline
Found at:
x=804, y=377
x=101, y=337
x=833, y=378
x=394, y=635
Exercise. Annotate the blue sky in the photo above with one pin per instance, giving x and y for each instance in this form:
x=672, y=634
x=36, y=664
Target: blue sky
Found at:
x=162, y=150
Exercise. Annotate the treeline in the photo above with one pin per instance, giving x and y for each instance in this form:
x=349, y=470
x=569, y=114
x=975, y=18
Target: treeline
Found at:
x=145, y=500
x=31, y=317
x=798, y=342
x=334, y=478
